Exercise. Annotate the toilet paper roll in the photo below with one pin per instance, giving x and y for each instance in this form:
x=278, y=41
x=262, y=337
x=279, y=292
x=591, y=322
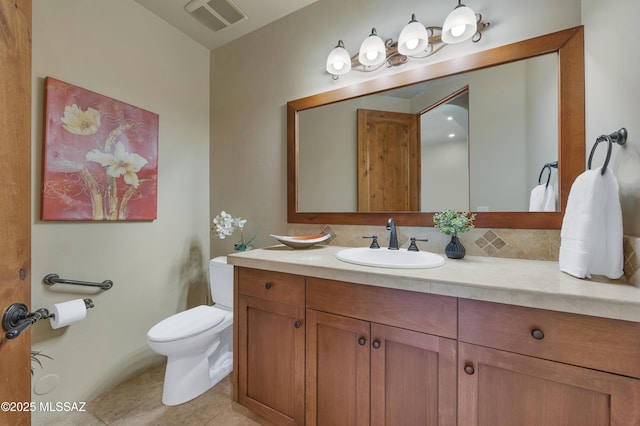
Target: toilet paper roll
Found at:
x=67, y=313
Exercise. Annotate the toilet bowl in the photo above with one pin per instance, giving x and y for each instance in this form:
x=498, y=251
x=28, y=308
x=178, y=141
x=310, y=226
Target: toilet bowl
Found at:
x=198, y=342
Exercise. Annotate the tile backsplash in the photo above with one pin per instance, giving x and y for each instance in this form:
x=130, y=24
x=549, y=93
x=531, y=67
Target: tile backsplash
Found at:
x=535, y=244
x=632, y=259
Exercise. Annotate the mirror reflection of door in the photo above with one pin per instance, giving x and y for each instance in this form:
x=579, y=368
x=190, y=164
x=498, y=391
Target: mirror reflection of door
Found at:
x=388, y=161
x=445, y=153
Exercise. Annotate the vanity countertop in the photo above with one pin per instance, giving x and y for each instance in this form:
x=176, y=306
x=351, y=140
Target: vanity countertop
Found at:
x=532, y=283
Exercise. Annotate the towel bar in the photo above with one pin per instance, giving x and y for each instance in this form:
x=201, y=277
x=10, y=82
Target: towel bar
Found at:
x=52, y=279
x=619, y=137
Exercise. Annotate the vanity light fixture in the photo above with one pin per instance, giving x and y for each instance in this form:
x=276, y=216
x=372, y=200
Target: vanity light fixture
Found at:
x=460, y=25
x=339, y=61
x=416, y=41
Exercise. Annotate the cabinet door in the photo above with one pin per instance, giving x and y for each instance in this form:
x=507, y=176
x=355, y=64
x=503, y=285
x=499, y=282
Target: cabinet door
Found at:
x=271, y=358
x=337, y=376
x=413, y=378
x=503, y=388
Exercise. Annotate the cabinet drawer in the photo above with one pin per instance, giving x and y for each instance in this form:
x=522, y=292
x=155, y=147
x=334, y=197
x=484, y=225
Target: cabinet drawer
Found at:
x=592, y=342
x=274, y=286
x=426, y=313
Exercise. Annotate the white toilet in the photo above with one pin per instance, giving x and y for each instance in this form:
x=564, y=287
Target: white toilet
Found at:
x=198, y=342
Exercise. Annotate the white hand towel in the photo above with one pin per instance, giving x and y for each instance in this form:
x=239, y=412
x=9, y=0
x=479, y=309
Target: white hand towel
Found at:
x=591, y=235
x=536, y=200
x=549, y=200
x=542, y=199
x=609, y=260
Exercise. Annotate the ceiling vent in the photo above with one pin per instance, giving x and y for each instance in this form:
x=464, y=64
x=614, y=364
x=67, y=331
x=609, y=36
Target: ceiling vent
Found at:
x=216, y=14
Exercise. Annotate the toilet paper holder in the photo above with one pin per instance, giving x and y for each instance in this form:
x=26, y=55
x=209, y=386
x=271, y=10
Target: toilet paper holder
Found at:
x=17, y=318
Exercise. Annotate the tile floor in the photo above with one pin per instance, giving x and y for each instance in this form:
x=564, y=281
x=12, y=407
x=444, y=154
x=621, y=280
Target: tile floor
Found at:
x=137, y=402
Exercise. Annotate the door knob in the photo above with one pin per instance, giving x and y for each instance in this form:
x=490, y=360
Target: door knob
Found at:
x=17, y=318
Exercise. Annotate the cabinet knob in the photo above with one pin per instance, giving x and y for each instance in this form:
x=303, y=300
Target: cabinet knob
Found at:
x=362, y=341
x=267, y=286
x=537, y=334
x=469, y=369
x=298, y=324
x=376, y=344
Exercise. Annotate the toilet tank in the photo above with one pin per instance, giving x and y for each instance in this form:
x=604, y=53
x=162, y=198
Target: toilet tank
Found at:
x=221, y=279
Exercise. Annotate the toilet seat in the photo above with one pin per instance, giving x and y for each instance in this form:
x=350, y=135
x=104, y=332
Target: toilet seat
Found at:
x=187, y=323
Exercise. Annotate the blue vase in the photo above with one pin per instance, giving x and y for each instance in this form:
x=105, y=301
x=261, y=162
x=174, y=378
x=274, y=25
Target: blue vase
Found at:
x=455, y=249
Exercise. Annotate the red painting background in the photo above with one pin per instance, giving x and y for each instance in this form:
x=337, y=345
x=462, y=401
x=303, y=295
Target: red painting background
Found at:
x=65, y=192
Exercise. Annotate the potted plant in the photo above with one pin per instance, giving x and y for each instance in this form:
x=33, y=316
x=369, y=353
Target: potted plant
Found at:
x=35, y=360
x=224, y=225
x=453, y=223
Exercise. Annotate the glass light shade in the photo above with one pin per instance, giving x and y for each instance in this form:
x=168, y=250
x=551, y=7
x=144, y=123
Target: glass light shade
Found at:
x=459, y=26
x=339, y=61
x=413, y=39
x=372, y=51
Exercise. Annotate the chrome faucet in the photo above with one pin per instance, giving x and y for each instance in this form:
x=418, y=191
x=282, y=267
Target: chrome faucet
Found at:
x=393, y=239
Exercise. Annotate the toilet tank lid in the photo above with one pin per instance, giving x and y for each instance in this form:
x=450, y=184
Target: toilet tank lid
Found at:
x=186, y=324
x=219, y=259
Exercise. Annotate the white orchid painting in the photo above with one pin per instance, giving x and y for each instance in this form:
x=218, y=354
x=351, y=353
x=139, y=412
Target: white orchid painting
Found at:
x=100, y=157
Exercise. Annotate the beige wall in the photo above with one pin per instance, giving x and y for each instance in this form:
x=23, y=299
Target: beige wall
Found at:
x=612, y=93
x=119, y=49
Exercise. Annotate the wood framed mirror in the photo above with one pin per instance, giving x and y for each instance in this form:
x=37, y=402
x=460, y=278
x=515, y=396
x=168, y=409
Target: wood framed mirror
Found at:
x=567, y=45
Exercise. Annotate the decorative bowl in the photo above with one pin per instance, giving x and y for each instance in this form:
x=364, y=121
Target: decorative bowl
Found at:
x=301, y=241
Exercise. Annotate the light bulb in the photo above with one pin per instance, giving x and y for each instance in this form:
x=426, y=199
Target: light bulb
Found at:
x=372, y=50
x=338, y=61
x=413, y=39
x=458, y=30
x=460, y=25
x=412, y=44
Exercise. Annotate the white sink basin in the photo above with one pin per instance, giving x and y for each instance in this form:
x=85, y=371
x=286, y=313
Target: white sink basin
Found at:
x=385, y=258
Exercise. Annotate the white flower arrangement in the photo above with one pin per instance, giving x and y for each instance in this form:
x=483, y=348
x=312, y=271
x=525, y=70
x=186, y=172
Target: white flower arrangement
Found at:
x=224, y=225
x=106, y=202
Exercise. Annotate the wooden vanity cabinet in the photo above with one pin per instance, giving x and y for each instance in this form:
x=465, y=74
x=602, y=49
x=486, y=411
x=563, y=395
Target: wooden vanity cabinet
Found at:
x=529, y=366
x=271, y=341
x=372, y=360
x=323, y=352
x=337, y=376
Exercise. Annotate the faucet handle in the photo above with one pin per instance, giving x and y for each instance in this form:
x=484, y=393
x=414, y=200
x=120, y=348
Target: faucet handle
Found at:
x=413, y=246
x=374, y=243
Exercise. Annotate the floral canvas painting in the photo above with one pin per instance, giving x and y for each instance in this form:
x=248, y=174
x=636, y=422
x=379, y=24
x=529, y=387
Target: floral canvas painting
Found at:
x=100, y=157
